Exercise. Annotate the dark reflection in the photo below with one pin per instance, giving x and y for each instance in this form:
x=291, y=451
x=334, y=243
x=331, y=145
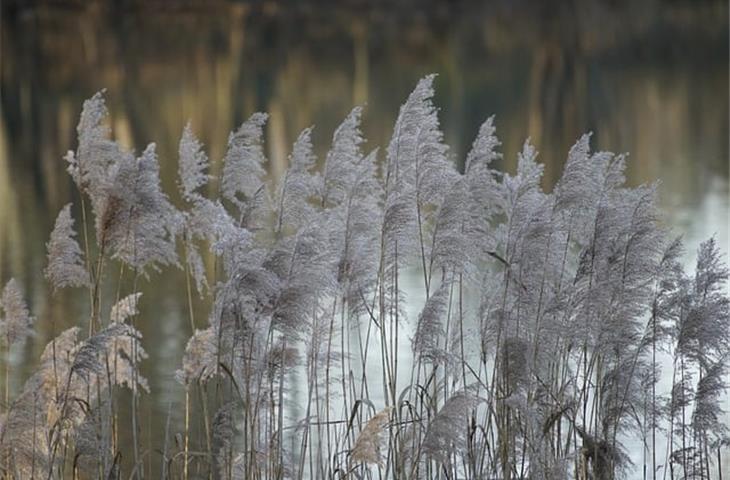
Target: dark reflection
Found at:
x=648, y=78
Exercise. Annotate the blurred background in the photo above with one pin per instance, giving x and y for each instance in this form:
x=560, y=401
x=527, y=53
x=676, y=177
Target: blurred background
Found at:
x=649, y=78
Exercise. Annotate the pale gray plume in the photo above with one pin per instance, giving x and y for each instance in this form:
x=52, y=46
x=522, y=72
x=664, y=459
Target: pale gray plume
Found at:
x=705, y=339
x=417, y=172
x=708, y=413
x=16, y=323
x=429, y=342
x=340, y=166
x=354, y=230
x=194, y=261
x=453, y=246
x=447, y=431
x=192, y=165
x=65, y=259
x=125, y=308
x=120, y=345
x=523, y=194
x=486, y=193
x=96, y=154
x=134, y=220
x=200, y=361
x=483, y=150
x=711, y=273
x=87, y=358
x=191, y=171
x=709, y=313
x=525, y=209
x=416, y=152
x=579, y=179
x=580, y=188
x=306, y=272
x=625, y=255
x=210, y=221
x=242, y=181
x=143, y=224
x=298, y=186
x=615, y=172
x=96, y=164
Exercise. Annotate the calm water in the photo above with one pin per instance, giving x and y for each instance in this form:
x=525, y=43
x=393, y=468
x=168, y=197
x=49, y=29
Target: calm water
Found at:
x=649, y=79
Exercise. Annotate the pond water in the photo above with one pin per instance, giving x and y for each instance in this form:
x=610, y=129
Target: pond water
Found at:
x=649, y=79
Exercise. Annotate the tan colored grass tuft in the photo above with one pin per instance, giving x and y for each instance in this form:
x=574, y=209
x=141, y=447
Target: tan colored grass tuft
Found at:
x=370, y=441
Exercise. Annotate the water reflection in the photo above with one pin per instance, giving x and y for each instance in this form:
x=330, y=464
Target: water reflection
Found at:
x=650, y=79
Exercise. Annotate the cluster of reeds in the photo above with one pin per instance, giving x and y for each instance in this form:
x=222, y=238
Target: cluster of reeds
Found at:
x=536, y=353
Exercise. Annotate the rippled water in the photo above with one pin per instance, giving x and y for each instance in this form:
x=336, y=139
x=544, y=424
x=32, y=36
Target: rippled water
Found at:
x=649, y=79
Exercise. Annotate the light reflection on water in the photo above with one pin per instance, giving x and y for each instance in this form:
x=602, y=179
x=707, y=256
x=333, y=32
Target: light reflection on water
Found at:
x=651, y=80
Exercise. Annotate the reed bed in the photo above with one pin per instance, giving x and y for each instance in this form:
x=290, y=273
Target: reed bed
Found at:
x=536, y=353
